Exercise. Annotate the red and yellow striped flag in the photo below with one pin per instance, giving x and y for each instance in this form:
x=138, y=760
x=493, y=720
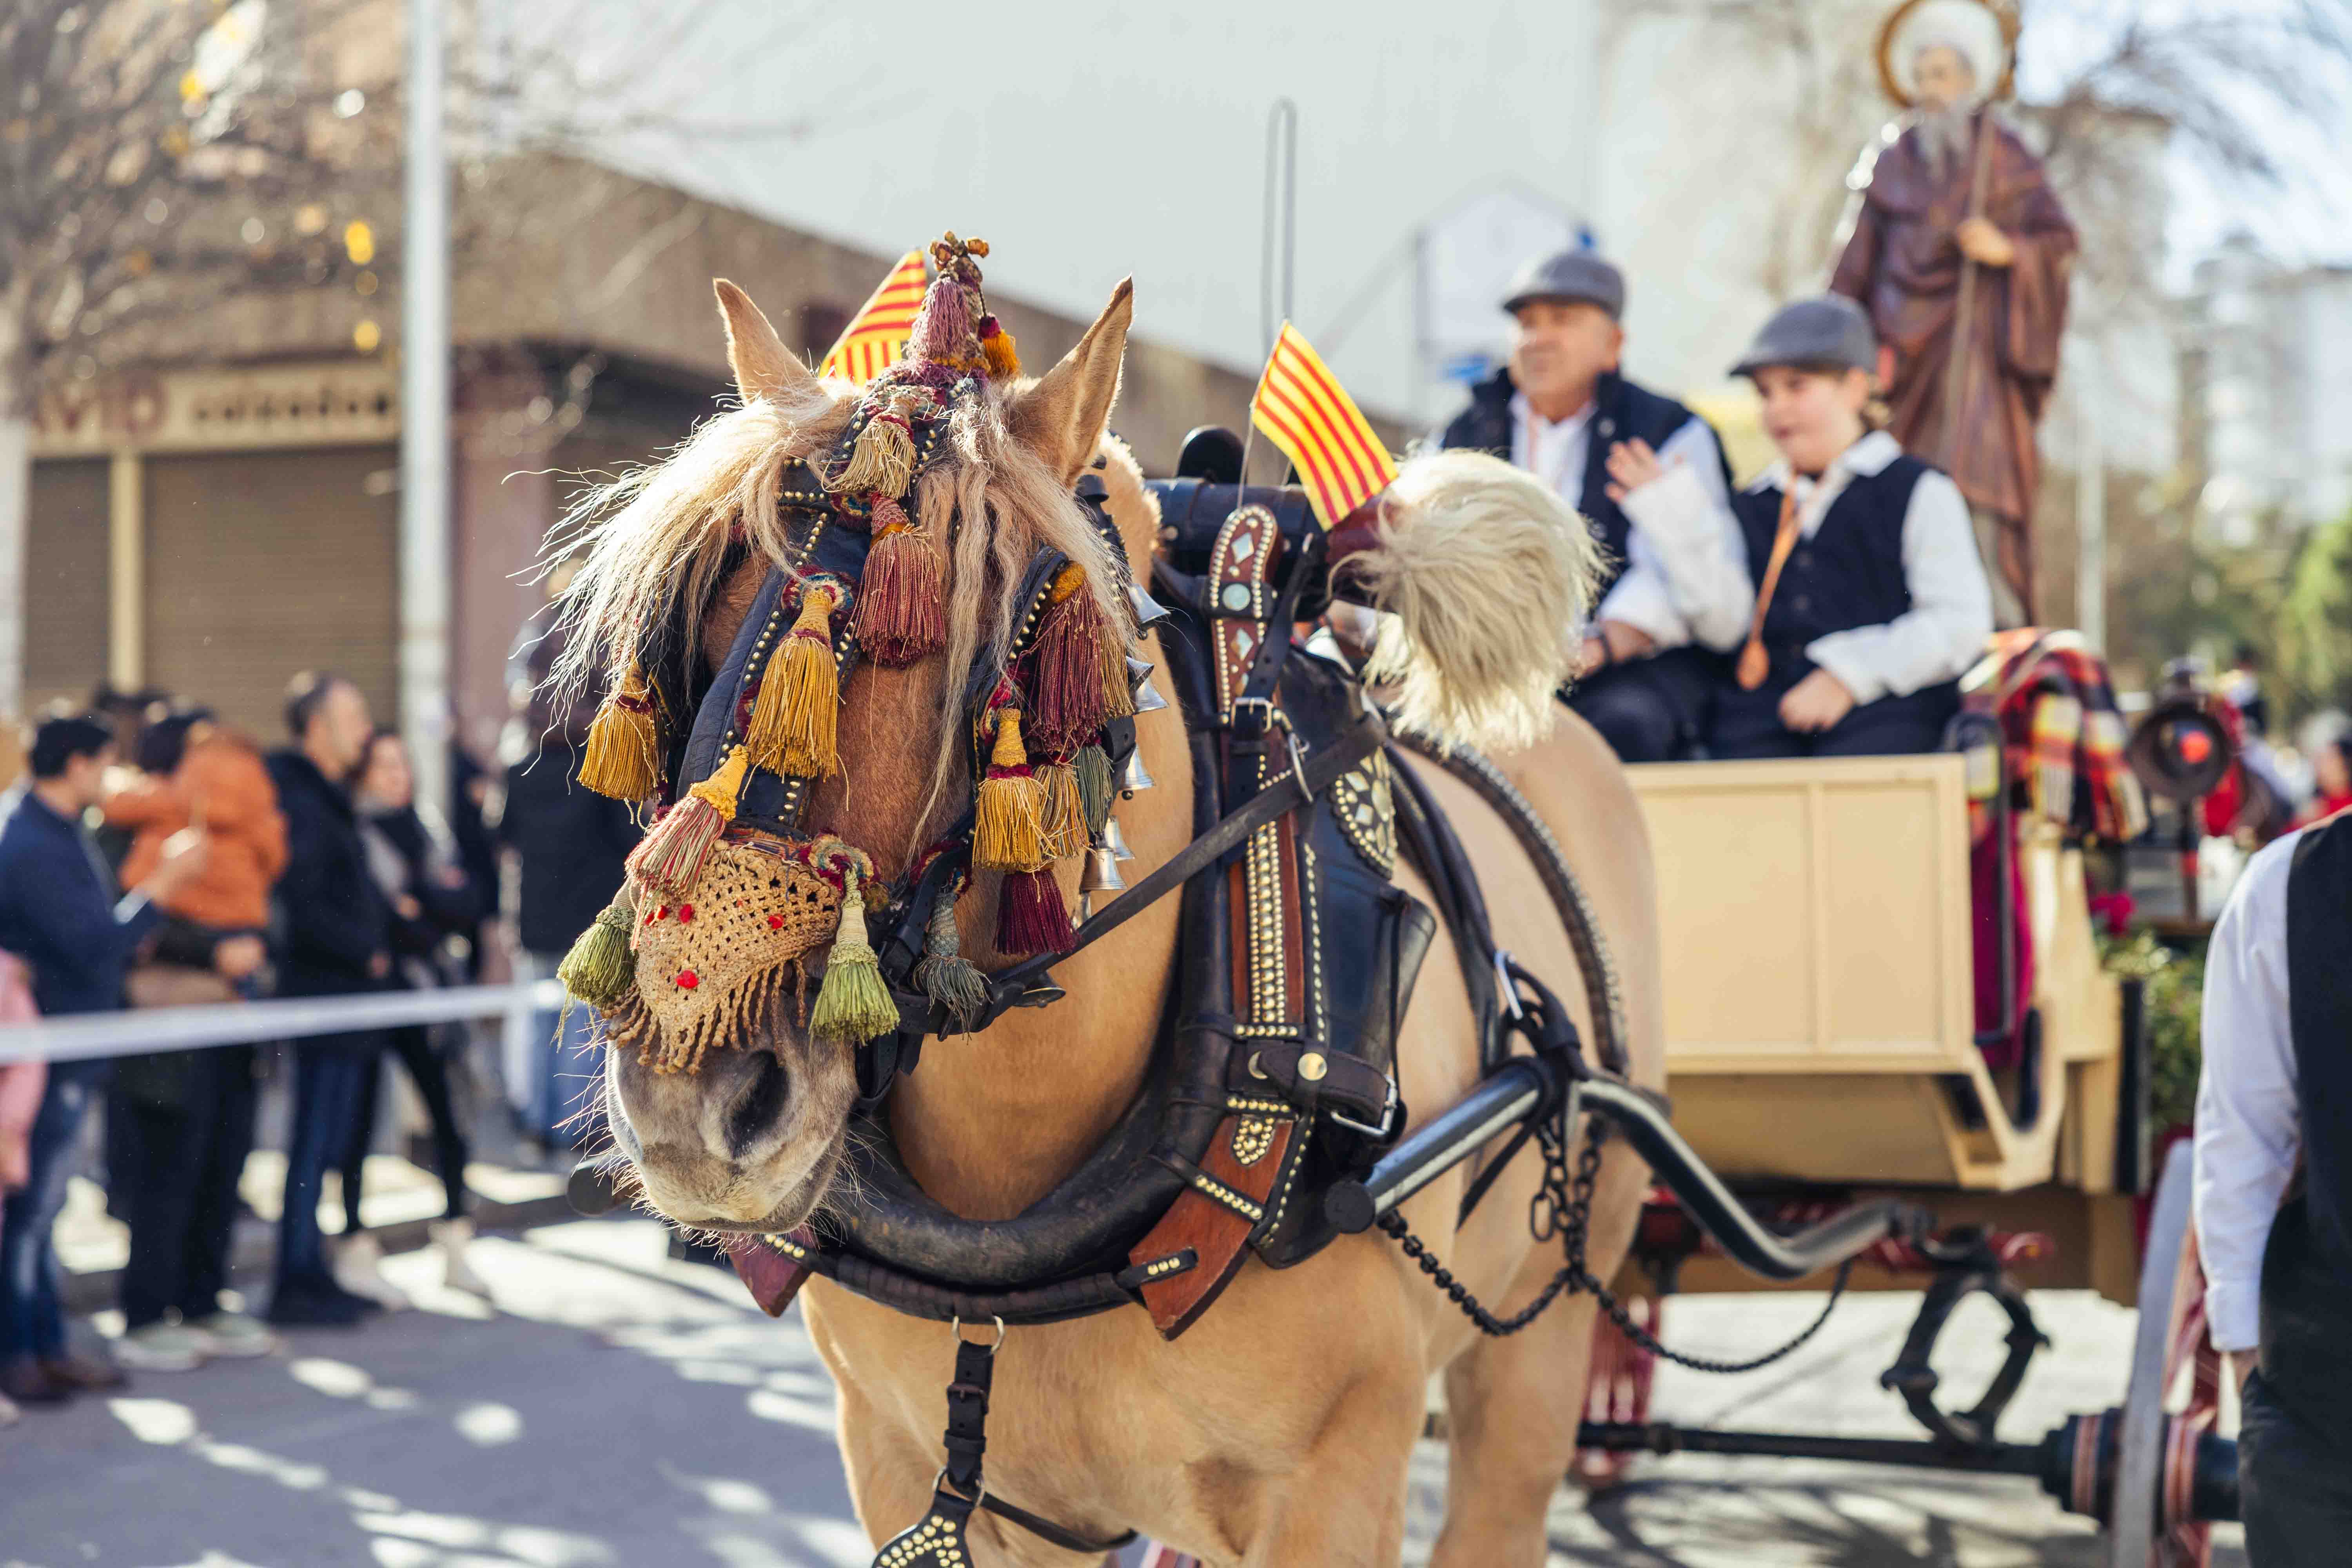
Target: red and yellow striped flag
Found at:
x=1305, y=411
x=871, y=343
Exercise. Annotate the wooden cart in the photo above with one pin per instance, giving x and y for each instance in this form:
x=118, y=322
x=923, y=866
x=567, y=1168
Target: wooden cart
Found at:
x=1821, y=1050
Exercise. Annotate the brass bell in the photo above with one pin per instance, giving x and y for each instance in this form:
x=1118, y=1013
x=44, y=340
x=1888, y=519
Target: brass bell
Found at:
x=1136, y=777
x=1099, y=874
x=1115, y=841
x=1147, y=700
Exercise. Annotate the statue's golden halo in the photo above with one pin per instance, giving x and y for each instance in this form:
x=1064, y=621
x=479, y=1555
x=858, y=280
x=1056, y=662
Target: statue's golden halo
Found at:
x=1894, y=77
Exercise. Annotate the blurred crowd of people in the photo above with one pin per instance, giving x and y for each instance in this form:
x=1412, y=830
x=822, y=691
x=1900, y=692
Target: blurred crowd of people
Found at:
x=152, y=856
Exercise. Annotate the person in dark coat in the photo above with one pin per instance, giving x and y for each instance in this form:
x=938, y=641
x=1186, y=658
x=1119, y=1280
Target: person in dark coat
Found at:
x=334, y=939
x=572, y=844
x=432, y=901
x=59, y=913
x=1676, y=593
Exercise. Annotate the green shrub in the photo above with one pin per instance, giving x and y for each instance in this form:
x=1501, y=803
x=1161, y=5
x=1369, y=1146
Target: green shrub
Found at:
x=2174, y=990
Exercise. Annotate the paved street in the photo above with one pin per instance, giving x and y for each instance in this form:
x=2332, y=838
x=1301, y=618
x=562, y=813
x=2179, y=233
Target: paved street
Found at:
x=613, y=1407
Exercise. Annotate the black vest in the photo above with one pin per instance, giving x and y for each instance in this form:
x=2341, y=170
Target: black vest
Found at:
x=1621, y=412
x=1849, y=574
x=2307, y=1299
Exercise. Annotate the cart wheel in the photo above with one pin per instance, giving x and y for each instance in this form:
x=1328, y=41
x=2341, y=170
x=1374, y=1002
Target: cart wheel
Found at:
x=1617, y=1389
x=2175, y=1394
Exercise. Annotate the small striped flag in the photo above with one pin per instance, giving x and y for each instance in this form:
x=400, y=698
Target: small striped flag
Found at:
x=870, y=344
x=1305, y=411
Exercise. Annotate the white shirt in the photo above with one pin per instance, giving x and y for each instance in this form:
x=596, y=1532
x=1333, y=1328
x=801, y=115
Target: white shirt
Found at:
x=1944, y=631
x=2248, y=1132
x=1681, y=582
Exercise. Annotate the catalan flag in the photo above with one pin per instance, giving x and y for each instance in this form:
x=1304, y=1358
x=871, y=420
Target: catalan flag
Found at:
x=870, y=344
x=1305, y=411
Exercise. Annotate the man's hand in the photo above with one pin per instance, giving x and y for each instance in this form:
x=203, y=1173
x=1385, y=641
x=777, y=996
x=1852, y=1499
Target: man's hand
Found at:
x=1613, y=642
x=185, y=853
x=1631, y=465
x=1816, y=704
x=236, y=957
x=378, y=966
x=1983, y=244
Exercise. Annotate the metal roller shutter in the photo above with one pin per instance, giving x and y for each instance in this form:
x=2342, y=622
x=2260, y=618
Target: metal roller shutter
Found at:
x=260, y=565
x=67, y=591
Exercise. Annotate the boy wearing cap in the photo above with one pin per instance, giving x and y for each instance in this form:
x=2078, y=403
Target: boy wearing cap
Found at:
x=1870, y=601
x=1679, y=593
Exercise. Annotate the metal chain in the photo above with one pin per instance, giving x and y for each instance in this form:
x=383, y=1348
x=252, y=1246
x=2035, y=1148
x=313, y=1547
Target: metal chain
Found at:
x=1563, y=1206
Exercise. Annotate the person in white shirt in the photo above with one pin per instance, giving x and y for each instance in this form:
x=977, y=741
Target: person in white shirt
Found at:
x=2273, y=1187
x=1868, y=601
x=1674, y=599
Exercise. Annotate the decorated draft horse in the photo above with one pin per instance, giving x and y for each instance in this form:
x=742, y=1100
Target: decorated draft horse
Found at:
x=908, y=670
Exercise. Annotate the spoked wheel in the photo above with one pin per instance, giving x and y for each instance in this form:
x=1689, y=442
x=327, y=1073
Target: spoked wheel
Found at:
x=1617, y=1389
x=2174, y=1398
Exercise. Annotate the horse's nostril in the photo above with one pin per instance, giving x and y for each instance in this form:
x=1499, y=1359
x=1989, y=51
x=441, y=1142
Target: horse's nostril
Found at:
x=759, y=1105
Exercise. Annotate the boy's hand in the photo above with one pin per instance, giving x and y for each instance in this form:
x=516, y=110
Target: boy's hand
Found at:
x=1631, y=465
x=1816, y=704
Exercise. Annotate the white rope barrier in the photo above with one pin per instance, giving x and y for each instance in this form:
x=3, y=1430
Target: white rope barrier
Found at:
x=147, y=1029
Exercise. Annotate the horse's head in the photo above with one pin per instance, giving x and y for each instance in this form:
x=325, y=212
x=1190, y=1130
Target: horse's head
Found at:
x=733, y=952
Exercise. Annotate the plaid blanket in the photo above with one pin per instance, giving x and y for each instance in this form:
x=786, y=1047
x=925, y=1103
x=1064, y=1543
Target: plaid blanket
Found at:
x=2061, y=730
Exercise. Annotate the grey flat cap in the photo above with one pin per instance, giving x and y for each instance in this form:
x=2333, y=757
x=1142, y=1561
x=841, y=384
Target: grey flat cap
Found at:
x=1828, y=329
x=1570, y=275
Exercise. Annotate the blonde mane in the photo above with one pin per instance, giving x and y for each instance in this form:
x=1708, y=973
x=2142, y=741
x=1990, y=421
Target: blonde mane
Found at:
x=657, y=538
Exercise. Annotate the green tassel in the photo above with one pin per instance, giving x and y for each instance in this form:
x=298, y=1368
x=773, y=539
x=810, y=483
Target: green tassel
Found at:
x=1094, y=788
x=947, y=977
x=598, y=970
x=853, y=1004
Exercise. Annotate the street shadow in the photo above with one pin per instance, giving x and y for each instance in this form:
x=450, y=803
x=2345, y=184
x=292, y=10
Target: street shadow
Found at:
x=605, y=1406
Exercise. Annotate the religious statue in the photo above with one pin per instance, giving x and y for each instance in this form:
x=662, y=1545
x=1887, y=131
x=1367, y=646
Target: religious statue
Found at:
x=1961, y=253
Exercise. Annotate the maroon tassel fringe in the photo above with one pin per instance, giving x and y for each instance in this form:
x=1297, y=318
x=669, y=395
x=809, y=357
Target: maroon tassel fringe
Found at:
x=1030, y=917
x=901, y=613
x=1067, y=705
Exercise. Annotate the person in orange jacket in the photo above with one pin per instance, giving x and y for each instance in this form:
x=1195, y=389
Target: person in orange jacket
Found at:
x=220, y=787
x=180, y=1126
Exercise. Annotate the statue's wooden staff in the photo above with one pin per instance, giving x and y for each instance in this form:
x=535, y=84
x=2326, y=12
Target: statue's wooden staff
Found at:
x=1955, y=370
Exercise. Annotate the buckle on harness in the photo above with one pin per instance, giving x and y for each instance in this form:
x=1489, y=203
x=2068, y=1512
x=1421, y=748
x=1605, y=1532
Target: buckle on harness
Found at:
x=1261, y=711
x=1387, y=1127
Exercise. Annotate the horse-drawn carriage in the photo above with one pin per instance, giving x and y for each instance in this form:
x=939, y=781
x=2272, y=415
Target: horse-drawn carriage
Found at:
x=900, y=665
x=1832, y=1056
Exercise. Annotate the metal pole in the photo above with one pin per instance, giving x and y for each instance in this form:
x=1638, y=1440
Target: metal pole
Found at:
x=425, y=546
x=2090, y=522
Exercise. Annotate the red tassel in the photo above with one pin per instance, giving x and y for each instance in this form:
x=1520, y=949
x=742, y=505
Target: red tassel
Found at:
x=1030, y=916
x=901, y=616
x=1067, y=703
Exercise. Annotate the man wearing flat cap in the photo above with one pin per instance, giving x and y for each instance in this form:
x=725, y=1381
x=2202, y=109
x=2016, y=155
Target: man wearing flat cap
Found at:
x=1676, y=597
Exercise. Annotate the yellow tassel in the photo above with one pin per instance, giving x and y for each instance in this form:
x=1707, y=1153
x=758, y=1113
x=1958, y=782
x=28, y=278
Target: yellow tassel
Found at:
x=1008, y=820
x=853, y=1004
x=624, y=756
x=882, y=458
x=1003, y=359
x=1064, y=811
x=794, y=716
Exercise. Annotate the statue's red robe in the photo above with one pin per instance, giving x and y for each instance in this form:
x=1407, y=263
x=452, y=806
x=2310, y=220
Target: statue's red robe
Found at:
x=1903, y=267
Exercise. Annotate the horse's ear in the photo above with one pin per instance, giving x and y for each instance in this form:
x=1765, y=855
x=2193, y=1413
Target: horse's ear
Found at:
x=763, y=366
x=1061, y=417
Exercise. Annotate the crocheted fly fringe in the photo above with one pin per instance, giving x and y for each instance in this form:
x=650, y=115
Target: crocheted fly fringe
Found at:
x=742, y=1010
